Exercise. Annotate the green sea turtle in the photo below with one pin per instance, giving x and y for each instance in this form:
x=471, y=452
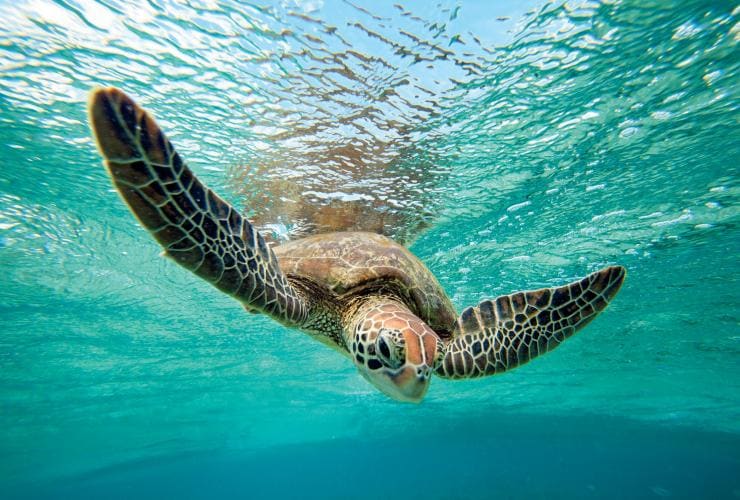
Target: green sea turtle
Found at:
x=361, y=293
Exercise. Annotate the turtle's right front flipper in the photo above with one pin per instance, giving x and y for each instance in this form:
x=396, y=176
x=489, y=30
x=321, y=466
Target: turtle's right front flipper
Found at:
x=197, y=229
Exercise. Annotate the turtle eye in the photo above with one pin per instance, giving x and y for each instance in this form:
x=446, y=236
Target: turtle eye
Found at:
x=387, y=351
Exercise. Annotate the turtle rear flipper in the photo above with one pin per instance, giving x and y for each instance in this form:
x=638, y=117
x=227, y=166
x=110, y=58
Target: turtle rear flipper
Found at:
x=197, y=229
x=501, y=334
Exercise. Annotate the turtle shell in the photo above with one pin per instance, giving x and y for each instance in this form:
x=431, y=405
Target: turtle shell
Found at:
x=351, y=264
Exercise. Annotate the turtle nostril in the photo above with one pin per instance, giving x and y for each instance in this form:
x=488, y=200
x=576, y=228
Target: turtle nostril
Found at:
x=422, y=373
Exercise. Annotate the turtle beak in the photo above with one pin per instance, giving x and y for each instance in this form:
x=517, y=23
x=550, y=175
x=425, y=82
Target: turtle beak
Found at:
x=413, y=383
x=408, y=384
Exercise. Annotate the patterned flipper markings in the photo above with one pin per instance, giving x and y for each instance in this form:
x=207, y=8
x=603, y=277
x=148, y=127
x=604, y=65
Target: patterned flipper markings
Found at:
x=197, y=229
x=501, y=334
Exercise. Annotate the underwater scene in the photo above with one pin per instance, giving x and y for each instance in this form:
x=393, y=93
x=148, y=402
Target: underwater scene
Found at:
x=511, y=146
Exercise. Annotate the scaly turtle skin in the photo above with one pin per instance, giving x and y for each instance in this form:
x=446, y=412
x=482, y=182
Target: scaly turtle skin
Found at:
x=361, y=293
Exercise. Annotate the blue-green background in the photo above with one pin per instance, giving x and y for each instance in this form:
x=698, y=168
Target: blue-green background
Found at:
x=539, y=141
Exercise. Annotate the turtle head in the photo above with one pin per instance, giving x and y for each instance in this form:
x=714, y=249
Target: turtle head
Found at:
x=395, y=351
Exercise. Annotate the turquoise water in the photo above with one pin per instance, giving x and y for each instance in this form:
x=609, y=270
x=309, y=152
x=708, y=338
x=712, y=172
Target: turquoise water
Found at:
x=513, y=145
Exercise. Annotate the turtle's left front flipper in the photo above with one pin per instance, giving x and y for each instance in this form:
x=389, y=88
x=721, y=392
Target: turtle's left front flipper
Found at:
x=197, y=229
x=501, y=334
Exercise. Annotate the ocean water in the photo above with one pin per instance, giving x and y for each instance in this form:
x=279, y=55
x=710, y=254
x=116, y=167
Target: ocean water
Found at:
x=512, y=145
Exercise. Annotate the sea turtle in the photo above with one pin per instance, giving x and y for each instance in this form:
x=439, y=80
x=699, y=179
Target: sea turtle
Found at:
x=361, y=293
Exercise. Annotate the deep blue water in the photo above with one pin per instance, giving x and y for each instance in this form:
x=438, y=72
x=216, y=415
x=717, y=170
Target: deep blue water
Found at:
x=511, y=145
x=499, y=456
